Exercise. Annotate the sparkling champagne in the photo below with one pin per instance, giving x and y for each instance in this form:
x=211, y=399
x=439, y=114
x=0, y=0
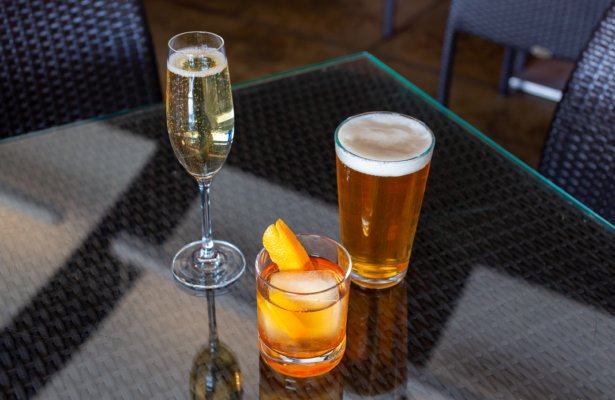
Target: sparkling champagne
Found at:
x=200, y=116
x=200, y=122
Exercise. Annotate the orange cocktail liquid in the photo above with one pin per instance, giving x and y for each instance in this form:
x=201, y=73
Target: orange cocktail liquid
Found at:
x=304, y=325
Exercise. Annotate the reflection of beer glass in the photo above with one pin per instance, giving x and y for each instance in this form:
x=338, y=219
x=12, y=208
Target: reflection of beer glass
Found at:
x=383, y=161
x=376, y=362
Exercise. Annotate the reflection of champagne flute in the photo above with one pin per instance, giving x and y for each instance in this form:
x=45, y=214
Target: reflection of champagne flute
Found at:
x=215, y=373
x=377, y=348
x=276, y=386
x=200, y=122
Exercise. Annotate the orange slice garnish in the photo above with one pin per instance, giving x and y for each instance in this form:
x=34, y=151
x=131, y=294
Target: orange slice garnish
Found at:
x=284, y=248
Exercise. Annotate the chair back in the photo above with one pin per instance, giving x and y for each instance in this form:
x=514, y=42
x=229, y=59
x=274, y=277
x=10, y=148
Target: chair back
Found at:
x=579, y=153
x=67, y=60
x=561, y=27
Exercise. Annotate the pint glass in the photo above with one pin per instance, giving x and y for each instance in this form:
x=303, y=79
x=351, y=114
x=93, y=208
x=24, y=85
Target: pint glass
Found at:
x=383, y=161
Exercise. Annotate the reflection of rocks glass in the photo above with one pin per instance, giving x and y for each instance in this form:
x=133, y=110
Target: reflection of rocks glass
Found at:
x=215, y=373
x=276, y=386
x=376, y=361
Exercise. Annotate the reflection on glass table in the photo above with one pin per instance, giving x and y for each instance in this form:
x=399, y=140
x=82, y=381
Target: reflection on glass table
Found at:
x=376, y=360
x=215, y=373
x=276, y=386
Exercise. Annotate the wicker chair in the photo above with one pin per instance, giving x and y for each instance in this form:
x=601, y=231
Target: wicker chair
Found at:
x=559, y=28
x=66, y=60
x=579, y=153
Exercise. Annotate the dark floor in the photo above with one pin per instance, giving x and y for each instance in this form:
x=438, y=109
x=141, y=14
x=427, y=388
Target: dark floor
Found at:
x=267, y=36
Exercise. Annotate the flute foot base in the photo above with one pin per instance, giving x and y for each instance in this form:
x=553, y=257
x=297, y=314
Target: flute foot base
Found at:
x=199, y=276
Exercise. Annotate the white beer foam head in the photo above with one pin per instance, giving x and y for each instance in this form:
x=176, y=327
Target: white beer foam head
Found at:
x=384, y=144
x=175, y=60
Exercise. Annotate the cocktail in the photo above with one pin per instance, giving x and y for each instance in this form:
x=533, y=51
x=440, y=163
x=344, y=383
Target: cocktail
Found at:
x=303, y=283
x=383, y=161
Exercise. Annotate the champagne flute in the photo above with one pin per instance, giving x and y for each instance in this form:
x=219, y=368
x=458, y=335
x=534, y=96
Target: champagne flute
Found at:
x=200, y=123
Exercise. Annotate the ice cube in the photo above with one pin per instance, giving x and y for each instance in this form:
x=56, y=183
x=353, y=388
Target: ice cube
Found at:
x=303, y=281
x=308, y=283
x=280, y=324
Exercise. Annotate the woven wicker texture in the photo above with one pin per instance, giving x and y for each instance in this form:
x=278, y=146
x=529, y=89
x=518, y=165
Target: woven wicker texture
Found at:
x=511, y=291
x=67, y=60
x=579, y=153
x=561, y=28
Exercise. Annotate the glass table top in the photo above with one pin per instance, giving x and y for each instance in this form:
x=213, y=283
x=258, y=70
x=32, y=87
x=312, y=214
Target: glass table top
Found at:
x=510, y=292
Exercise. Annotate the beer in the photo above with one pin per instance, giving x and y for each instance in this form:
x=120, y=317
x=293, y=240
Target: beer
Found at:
x=382, y=162
x=200, y=117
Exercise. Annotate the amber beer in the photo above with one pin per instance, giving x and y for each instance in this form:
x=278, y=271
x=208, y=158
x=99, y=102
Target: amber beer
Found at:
x=383, y=161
